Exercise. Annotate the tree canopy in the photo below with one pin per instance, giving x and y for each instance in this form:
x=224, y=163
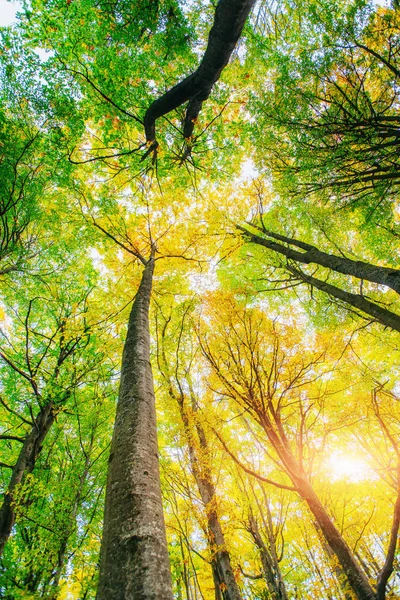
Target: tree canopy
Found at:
x=199, y=311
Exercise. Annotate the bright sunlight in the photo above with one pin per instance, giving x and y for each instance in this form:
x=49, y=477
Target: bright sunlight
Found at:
x=348, y=466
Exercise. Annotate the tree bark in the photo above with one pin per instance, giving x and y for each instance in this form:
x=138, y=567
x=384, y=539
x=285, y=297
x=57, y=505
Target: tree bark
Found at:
x=226, y=586
x=229, y=20
x=25, y=464
x=359, y=302
x=134, y=562
x=269, y=561
x=356, y=268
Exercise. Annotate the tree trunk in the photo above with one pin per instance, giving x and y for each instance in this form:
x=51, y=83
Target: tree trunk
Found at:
x=388, y=568
x=229, y=20
x=355, y=575
x=337, y=569
x=223, y=574
x=134, y=561
x=356, y=268
x=357, y=301
x=359, y=269
x=25, y=464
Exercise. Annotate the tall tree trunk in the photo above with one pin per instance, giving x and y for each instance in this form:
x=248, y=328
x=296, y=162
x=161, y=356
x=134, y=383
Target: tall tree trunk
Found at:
x=223, y=573
x=355, y=575
x=311, y=255
x=134, y=561
x=25, y=464
x=230, y=17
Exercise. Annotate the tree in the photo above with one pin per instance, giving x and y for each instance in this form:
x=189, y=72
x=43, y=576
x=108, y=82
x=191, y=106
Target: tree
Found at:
x=134, y=558
x=178, y=378
x=45, y=371
x=128, y=538
x=271, y=387
x=230, y=17
x=340, y=264
x=266, y=540
x=314, y=88
x=330, y=118
x=59, y=504
x=18, y=173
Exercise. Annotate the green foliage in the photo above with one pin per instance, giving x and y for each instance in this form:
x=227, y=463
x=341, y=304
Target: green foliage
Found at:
x=326, y=121
x=300, y=136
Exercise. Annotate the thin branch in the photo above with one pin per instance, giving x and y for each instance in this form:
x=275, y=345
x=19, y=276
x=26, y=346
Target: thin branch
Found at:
x=250, y=471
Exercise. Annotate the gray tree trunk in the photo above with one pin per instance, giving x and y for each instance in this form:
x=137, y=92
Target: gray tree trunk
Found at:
x=25, y=464
x=134, y=562
x=311, y=255
x=355, y=575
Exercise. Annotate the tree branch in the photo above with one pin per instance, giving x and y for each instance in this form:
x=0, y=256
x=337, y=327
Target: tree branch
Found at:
x=282, y=486
x=229, y=20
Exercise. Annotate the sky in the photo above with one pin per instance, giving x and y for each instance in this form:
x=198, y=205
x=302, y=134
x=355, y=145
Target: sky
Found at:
x=7, y=12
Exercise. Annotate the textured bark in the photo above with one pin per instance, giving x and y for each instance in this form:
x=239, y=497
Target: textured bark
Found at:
x=359, y=302
x=229, y=20
x=134, y=562
x=224, y=578
x=25, y=464
x=356, y=268
x=355, y=575
x=269, y=561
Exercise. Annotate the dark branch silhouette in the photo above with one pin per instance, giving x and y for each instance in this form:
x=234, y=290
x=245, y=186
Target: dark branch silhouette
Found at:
x=386, y=276
x=229, y=20
x=358, y=269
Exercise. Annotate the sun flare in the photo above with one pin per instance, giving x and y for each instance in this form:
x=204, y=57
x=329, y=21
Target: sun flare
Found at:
x=348, y=466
